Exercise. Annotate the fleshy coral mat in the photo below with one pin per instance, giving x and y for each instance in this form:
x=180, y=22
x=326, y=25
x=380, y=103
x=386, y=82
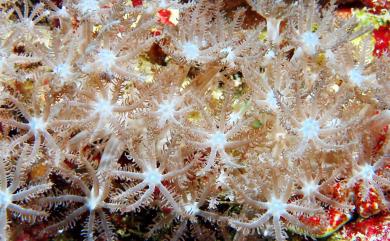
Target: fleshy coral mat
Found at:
x=190, y=120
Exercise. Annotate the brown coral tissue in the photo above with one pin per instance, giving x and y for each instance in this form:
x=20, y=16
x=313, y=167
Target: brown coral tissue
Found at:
x=188, y=120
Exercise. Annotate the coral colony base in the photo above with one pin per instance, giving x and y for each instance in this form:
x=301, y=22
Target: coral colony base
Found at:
x=232, y=131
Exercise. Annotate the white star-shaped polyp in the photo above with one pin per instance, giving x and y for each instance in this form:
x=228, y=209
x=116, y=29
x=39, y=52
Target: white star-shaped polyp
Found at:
x=310, y=42
x=309, y=188
x=310, y=128
x=366, y=172
x=37, y=124
x=106, y=59
x=190, y=51
x=166, y=111
x=5, y=199
x=356, y=76
x=276, y=207
x=218, y=140
x=153, y=177
x=103, y=107
x=63, y=70
x=93, y=201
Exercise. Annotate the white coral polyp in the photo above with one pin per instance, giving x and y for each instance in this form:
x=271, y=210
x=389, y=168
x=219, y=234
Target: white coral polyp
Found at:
x=37, y=124
x=64, y=71
x=366, y=172
x=106, y=58
x=5, y=199
x=190, y=51
x=310, y=128
x=356, y=76
x=153, y=177
x=309, y=188
x=218, y=140
x=310, y=42
x=166, y=111
x=276, y=207
x=93, y=201
x=103, y=107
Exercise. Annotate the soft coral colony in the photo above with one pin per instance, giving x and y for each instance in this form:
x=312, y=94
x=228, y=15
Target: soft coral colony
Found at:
x=233, y=130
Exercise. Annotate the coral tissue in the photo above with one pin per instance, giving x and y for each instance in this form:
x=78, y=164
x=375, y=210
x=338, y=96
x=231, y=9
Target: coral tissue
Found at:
x=189, y=120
